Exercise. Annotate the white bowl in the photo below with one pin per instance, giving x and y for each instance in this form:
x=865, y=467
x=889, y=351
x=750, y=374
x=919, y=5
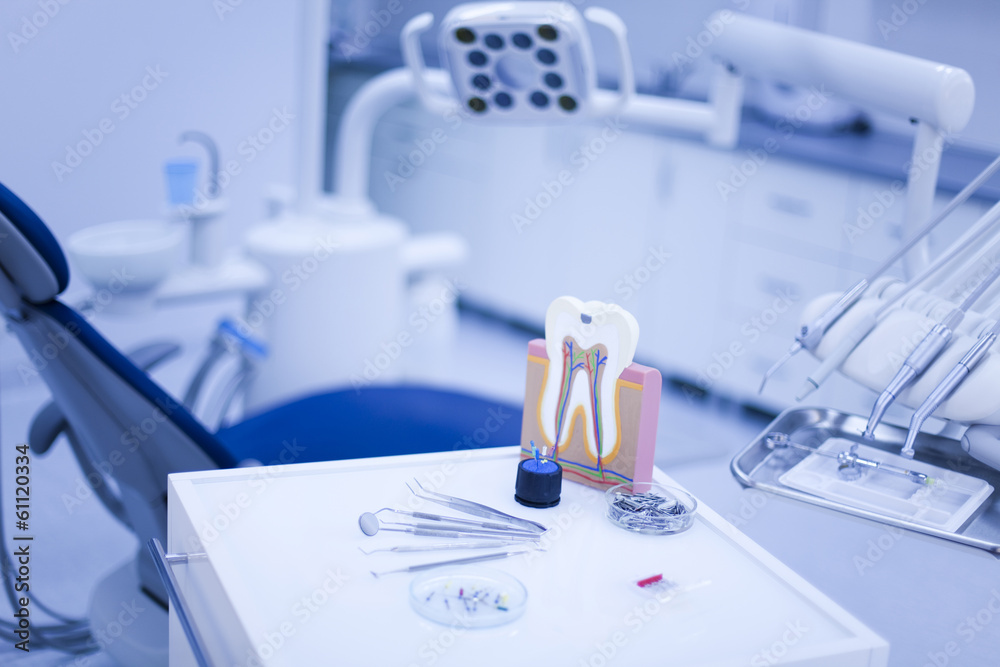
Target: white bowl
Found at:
x=127, y=257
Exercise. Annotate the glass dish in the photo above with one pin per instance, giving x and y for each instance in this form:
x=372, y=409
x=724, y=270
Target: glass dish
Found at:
x=650, y=508
x=468, y=597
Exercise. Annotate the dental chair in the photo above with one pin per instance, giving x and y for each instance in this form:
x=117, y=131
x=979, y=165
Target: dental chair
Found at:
x=124, y=427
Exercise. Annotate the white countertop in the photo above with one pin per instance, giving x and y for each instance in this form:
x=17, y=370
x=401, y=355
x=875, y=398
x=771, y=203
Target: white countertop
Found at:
x=289, y=536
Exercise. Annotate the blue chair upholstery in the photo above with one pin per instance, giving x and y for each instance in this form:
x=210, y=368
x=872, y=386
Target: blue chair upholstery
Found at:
x=374, y=421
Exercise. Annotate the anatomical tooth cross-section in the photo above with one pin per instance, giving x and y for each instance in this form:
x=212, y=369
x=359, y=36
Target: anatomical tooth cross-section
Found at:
x=587, y=405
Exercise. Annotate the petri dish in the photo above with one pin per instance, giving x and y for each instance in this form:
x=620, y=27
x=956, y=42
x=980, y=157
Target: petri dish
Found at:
x=469, y=597
x=650, y=508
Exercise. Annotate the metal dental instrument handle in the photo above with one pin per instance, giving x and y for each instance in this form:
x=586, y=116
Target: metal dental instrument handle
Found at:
x=851, y=341
x=851, y=459
x=950, y=383
x=408, y=548
x=369, y=524
x=925, y=353
x=475, y=509
x=458, y=528
x=778, y=440
x=811, y=334
x=457, y=533
x=455, y=561
x=489, y=525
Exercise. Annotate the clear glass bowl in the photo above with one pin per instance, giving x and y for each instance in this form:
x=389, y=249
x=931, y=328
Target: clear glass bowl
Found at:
x=650, y=508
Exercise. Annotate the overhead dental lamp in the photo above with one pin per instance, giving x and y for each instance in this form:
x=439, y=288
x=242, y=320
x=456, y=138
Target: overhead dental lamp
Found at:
x=521, y=62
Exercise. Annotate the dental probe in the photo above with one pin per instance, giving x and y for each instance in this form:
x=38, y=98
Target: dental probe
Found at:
x=947, y=386
x=925, y=353
x=811, y=334
x=456, y=561
x=865, y=326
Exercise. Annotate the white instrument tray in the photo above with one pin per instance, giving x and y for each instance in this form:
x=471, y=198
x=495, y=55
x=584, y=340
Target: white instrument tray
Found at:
x=946, y=503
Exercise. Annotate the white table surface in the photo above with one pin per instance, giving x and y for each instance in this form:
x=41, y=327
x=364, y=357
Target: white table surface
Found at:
x=284, y=577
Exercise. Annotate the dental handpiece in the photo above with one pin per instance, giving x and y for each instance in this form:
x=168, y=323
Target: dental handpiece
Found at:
x=811, y=334
x=947, y=386
x=925, y=353
x=833, y=360
x=916, y=363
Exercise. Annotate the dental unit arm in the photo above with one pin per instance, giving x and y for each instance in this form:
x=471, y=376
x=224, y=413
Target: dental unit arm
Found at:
x=940, y=97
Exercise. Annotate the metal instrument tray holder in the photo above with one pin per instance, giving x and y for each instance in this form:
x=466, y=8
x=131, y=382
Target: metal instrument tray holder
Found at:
x=761, y=467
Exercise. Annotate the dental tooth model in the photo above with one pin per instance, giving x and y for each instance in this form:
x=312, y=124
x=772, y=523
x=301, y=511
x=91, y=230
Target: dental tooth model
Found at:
x=587, y=406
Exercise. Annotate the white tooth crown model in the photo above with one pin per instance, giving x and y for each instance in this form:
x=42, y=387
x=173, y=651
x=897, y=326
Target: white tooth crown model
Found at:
x=587, y=405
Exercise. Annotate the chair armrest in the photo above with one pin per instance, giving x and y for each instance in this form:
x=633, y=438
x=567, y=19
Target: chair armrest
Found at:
x=46, y=427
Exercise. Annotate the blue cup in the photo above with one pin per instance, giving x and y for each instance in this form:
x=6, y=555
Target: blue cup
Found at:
x=182, y=178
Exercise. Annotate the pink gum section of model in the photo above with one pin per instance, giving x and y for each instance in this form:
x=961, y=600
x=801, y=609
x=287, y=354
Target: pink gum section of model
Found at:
x=652, y=383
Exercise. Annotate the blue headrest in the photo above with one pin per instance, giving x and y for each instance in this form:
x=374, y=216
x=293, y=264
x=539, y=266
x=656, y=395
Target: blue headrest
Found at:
x=29, y=254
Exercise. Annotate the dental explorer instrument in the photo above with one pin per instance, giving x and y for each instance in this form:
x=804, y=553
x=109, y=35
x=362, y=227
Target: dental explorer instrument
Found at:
x=955, y=377
x=847, y=459
x=409, y=548
x=370, y=525
x=811, y=334
x=489, y=525
x=925, y=353
x=456, y=561
x=475, y=509
x=856, y=335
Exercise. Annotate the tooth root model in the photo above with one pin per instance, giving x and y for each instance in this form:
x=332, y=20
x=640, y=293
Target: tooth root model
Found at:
x=586, y=404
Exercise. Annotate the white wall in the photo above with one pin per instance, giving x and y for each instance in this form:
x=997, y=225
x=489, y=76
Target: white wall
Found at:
x=225, y=72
